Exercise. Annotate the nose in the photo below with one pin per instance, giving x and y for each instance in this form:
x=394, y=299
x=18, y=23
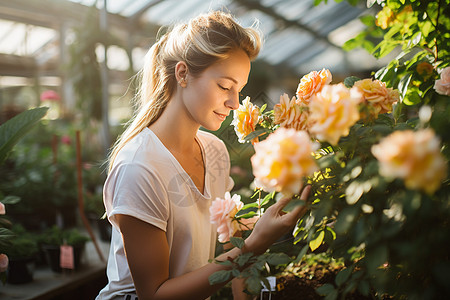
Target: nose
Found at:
x=233, y=102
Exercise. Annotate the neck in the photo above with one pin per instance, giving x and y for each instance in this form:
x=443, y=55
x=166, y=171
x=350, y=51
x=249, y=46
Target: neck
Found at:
x=176, y=129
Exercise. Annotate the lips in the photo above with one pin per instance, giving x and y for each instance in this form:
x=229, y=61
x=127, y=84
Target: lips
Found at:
x=221, y=116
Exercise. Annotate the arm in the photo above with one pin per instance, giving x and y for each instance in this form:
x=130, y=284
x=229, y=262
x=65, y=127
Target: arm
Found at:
x=148, y=254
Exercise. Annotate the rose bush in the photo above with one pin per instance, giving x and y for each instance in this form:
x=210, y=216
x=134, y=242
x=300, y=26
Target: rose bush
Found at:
x=381, y=195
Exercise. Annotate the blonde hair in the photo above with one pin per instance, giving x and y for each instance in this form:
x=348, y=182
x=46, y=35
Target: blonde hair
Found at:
x=201, y=42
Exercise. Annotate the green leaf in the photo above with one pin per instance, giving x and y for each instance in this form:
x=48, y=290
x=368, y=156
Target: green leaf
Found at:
x=267, y=198
x=263, y=108
x=237, y=242
x=276, y=259
x=343, y=276
x=245, y=215
x=403, y=84
x=350, y=81
x=6, y=233
x=10, y=200
x=253, y=284
x=314, y=244
x=368, y=20
x=302, y=253
x=256, y=134
x=326, y=289
x=249, y=205
x=243, y=259
x=14, y=129
x=345, y=219
x=219, y=277
x=376, y=257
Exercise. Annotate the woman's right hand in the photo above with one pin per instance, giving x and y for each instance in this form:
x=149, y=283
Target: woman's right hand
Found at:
x=274, y=223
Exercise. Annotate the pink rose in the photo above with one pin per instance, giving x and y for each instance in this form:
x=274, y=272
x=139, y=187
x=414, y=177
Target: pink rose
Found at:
x=442, y=86
x=2, y=209
x=222, y=214
x=4, y=261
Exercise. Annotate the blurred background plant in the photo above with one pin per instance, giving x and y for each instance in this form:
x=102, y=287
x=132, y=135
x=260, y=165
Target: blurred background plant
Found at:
x=10, y=134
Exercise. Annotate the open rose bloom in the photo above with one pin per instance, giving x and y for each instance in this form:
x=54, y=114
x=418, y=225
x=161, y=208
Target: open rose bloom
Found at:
x=414, y=157
x=377, y=96
x=222, y=214
x=245, y=119
x=290, y=113
x=312, y=83
x=282, y=161
x=333, y=111
x=442, y=86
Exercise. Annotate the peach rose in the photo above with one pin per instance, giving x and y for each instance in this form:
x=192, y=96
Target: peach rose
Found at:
x=414, y=157
x=289, y=114
x=245, y=119
x=442, y=86
x=282, y=160
x=312, y=83
x=222, y=214
x=2, y=209
x=4, y=261
x=377, y=95
x=333, y=111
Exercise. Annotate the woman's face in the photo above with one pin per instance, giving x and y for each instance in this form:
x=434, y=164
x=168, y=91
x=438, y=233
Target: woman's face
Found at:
x=213, y=94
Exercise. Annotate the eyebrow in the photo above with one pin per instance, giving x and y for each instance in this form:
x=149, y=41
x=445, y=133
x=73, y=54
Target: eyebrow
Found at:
x=230, y=78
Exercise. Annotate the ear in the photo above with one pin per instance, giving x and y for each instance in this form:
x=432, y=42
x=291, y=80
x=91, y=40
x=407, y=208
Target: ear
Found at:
x=181, y=71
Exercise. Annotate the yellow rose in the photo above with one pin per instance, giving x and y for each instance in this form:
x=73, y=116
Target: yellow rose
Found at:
x=312, y=83
x=283, y=159
x=413, y=156
x=332, y=112
x=377, y=95
x=245, y=119
x=289, y=114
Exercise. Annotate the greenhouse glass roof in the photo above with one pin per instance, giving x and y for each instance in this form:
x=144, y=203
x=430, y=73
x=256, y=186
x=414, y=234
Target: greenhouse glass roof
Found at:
x=298, y=35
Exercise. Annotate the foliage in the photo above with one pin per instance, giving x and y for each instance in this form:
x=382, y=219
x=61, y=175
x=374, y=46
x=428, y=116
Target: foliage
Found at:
x=10, y=133
x=57, y=236
x=23, y=244
x=393, y=238
x=13, y=130
x=84, y=67
x=419, y=32
x=41, y=172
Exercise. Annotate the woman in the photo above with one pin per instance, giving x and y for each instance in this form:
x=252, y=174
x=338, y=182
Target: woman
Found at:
x=164, y=172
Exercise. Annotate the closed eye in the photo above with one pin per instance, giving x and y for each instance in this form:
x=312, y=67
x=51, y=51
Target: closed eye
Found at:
x=223, y=88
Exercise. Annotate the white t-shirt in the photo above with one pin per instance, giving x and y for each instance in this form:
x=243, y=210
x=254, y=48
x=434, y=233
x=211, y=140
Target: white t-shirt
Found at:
x=148, y=183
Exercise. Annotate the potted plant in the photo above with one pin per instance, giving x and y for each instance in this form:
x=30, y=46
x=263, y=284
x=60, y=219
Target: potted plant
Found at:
x=21, y=251
x=53, y=238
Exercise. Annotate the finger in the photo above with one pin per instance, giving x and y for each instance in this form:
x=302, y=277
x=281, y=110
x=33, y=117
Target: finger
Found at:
x=305, y=193
x=280, y=204
x=296, y=213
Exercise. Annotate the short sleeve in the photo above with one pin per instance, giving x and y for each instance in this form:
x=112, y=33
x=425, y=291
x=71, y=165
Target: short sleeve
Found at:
x=131, y=189
x=229, y=184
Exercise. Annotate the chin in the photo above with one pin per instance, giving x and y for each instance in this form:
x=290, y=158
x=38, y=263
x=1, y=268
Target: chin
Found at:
x=212, y=126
